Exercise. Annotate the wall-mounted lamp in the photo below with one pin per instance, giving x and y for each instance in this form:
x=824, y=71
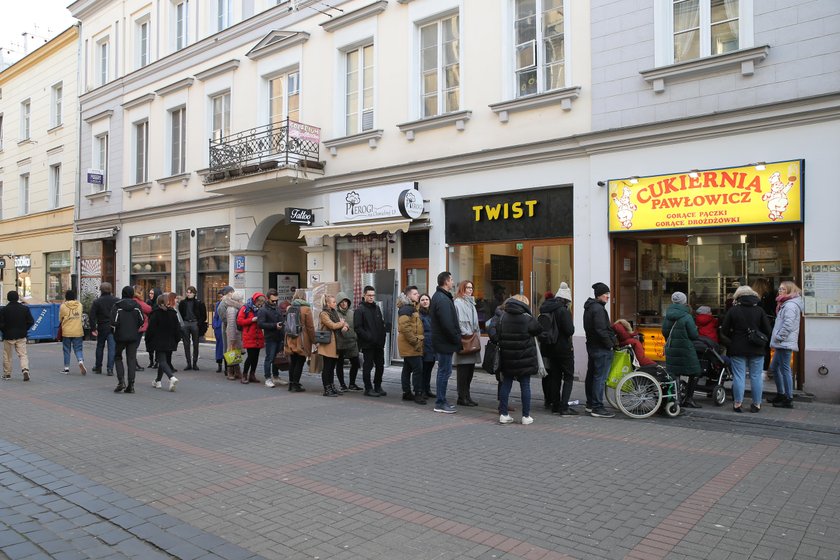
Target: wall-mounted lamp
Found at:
x=694, y=173
x=633, y=180
x=602, y=183
x=760, y=166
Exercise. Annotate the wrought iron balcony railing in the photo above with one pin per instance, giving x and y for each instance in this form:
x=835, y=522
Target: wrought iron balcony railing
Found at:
x=285, y=143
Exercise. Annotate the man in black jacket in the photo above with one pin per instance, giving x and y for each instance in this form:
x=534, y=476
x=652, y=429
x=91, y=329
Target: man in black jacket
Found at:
x=561, y=355
x=271, y=320
x=126, y=319
x=600, y=342
x=446, y=337
x=15, y=322
x=370, y=330
x=194, y=313
x=100, y=317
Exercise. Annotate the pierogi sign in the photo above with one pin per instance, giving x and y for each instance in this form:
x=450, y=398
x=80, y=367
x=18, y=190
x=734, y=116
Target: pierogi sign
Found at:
x=400, y=200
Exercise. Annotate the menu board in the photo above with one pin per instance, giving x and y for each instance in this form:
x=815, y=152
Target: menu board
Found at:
x=821, y=288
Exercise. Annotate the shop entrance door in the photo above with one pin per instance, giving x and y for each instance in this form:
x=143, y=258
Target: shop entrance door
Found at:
x=546, y=263
x=415, y=272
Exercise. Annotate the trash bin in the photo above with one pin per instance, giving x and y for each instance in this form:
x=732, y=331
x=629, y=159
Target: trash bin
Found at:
x=46, y=321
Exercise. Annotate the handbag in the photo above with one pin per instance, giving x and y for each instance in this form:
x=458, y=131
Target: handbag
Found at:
x=59, y=335
x=492, y=362
x=541, y=371
x=757, y=338
x=281, y=361
x=233, y=357
x=470, y=344
x=323, y=337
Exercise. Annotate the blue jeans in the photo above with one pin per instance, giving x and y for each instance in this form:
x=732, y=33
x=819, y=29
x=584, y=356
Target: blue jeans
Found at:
x=780, y=366
x=444, y=371
x=524, y=388
x=272, y=347
x=739, y=369
x=597, y=369
x=76, y=343
x=101, y=341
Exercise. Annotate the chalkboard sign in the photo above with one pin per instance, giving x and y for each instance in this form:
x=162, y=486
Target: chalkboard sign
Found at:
x=504, y=267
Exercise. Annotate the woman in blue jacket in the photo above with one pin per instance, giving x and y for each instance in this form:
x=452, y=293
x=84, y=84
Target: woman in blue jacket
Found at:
x=428, y=351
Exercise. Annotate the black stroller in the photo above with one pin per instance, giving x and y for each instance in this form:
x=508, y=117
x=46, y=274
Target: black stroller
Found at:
x=716, y=369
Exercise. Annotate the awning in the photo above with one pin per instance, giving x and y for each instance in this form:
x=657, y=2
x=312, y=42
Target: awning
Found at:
x=358, y=228
x=95, y=234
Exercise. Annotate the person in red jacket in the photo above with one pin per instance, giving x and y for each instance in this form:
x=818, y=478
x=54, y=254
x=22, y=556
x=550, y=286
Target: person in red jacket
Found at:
x=628, y=337
x=707, y=324
x=252, y=335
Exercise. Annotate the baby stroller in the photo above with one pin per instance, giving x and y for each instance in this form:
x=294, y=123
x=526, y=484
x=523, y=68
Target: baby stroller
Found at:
x=639, y=392
x=716, y=368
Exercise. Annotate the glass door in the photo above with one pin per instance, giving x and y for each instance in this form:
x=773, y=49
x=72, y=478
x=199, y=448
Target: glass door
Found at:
x=549, y=262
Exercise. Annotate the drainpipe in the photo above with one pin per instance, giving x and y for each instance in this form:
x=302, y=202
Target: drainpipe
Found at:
x=76, y=246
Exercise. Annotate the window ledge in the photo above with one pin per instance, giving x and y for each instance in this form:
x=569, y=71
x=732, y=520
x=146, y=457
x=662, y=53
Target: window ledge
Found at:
x=745, y=58
x=25, y=141
x=184, y=178
x=130, y=189
x=56, y=128
x=370, y=136
x=458, y=118
x=563, y=97
x=101, y=195
x=348, y=18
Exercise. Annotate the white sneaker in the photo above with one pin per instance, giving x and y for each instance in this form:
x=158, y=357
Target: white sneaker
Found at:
x=66, y=371
x=82, y=367
x=280, y=381
x=527, y=420
x=172, y=382
x=505, y=419
x=269, y=383
x=156, y=384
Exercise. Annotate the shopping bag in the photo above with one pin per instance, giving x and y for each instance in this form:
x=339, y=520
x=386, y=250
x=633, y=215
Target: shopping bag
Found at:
x=315, y=364
x=233, y=357
x=622, y=364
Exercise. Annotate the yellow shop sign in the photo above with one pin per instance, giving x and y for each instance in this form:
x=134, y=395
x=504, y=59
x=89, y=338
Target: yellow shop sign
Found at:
x=709, y=198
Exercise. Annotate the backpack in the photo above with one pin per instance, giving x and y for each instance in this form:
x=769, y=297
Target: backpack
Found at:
x=292, y=325
x=550, y=333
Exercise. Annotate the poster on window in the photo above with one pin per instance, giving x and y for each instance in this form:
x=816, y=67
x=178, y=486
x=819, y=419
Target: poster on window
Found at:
x=821, y=288
x=287, y=283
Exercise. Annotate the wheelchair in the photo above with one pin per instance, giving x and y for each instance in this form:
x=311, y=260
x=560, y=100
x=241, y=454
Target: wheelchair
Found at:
x=643, y=391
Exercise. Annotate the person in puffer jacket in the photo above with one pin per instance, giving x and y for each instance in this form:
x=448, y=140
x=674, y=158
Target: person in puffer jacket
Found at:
x=680, y=331
x=628, y=337
x=707, y=324
x=515, y=336
x=742, y=318
x=410, y=340
x=126, y=320
x=253, y=339
x=347, y=345
x=785, y=341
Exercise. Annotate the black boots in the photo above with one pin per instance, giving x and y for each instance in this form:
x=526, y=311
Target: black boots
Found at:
x=419, y=397
x=218, y=366
x=688, y=398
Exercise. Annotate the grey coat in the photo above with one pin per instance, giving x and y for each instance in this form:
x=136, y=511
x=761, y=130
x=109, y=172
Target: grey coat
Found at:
x=468, y=323
x=786, y=328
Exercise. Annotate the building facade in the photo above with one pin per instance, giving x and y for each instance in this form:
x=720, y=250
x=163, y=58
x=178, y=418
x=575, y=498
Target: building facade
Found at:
x=38, y=154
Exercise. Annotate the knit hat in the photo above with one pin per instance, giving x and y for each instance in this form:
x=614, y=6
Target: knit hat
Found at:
x=226, y=290
x=600, y=289
x=548, y=295
x=564, y=292
x=679, y=297
x=704, y=310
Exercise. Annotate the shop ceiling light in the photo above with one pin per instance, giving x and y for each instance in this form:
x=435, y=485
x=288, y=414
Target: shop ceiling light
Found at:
x=633, y=180
x=694, y=173
x=760, y=166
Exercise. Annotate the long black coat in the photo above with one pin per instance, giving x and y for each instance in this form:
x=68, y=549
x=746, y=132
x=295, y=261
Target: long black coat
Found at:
x=446, y=332
x=515, y=332
x=164, y=331
x=565, y=327
x=369, y=326
x=745, y=314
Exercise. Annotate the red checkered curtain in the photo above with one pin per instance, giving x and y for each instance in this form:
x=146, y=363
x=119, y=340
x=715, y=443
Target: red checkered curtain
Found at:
x=370, y=253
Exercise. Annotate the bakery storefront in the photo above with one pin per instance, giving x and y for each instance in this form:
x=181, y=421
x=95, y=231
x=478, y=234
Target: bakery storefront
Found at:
x=517, y=242
x=704, y=233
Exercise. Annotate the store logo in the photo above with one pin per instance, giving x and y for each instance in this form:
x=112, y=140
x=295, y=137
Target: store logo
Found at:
x=354, y=206
x=411, y=204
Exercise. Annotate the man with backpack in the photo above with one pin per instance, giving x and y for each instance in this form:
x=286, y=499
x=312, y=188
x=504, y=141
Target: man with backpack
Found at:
x=556, y=345
x=271, y=320
x=126, y=320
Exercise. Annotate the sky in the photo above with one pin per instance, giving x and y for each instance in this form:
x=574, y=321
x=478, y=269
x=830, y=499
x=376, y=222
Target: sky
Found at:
x=43, y=18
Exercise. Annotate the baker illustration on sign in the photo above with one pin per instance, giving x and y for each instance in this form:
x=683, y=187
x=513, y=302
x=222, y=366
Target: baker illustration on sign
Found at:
x=777, y=198
x=625, y=208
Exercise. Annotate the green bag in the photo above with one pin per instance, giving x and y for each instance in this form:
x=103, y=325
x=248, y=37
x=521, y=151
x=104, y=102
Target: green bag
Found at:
x=233, y=357
x=622, y=364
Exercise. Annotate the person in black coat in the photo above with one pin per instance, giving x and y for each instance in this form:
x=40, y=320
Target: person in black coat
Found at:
x=154, y=294
x=600, y=342
x=515, y=334
x=370, y=332
x=271, y=320
x=446, y=337
x=100, y=317
x=126, y=321
x=744, y=316
x=428, y=349
x=561, y=355
x=162, y=337
x=15, y=321
x=194, y=313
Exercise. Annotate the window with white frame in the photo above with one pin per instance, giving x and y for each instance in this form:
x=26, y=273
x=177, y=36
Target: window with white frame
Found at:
x=359, y=90
x=539, y=46
x=25, y=116
x=180, y=22
x=55, y=186
x=284, y=97
x=100, y=159
x=178, y=140
x=1, y=131
x=24, y=194
x=56, y=104
x=224, y=14
x=102, y=55
x=141, y=152
x=221, y=115
x=701, y=28
x=440, y=69
x=143, y=51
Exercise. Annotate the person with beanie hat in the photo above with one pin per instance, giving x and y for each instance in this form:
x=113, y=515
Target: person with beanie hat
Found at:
x=557, y=385
x=600, y=342
x=126, y=321
x=707, y=324
x=680, y=331
x=15, y=322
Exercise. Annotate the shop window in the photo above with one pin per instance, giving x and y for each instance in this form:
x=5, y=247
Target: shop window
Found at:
x=440, y=68
x=151, y=261
x=539, y=46
x=357, y=257
x=58, y=275
x=182, y=261
x=213, y=263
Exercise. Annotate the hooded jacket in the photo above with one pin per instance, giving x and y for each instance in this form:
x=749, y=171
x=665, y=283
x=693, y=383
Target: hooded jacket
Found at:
x=346, y=340
x=707, y=325
x=679, y=331
x=746, y=314
x=559, y=309
x=446, y=333
x=100, y=312
x=410, y=335
x=786, y=327
x=627, y=339
x=15, y=320
x=596, y=324
x=252, y=334
x=516, y=341
x=70, y=317
x=268, y=317
x=369, y=325
x=302, y=344
x=126, y=320
x=330, y=320
x=146, y=309
x=164, y=330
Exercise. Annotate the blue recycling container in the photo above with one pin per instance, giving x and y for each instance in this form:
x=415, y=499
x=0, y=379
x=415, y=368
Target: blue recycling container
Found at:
x=46, y=321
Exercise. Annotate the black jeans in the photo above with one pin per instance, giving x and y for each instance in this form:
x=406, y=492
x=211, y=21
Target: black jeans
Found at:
x=190, y=332
x=561, y=376
x=296, y=363
x=373, y=357
x=163, y=365
x=251, y=361
x=354, y=367
x=328, y=370
x=464, y=377
x=131, y=356
x=412, y=372
x=427, y=376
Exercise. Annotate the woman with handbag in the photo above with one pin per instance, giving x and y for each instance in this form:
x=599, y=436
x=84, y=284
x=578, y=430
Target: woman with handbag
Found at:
x=233, y=336
x=515, y=334
x=681, y=358
x=470, y=353
x=331, y=324
x=748, y=330
x=785, y=341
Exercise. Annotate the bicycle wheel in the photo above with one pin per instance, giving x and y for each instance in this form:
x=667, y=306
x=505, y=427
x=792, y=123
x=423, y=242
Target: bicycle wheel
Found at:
x=638, y=394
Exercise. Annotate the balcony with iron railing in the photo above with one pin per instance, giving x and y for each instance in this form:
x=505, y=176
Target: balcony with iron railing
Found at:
x=276, y=154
